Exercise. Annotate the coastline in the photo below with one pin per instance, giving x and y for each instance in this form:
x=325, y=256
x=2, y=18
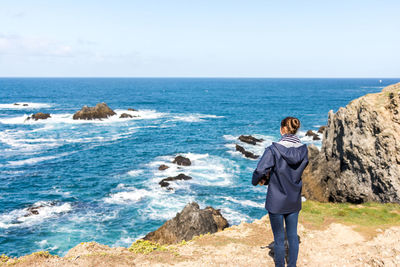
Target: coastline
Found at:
x=331, y=234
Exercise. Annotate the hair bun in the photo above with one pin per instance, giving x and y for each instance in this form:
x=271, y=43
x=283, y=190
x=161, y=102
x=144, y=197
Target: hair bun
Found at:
x=291, y=123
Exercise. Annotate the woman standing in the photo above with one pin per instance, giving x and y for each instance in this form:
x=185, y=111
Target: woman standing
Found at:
x=282, y=164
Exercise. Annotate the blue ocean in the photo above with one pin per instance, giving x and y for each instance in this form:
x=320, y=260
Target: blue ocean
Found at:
x=65, y=181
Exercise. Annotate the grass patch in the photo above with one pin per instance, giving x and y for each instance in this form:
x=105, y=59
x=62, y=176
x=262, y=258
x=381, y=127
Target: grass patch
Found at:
x=146, y=247
x=366, y=216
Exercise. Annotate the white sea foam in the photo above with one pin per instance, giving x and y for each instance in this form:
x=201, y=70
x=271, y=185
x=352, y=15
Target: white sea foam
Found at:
x=195, y=117
x=246, y=202
x=23, y=218
x=257, y=149
x=35, y=160
x=233, y=216
x=134, y=195
x=205, y=169
x=135, y=172
x=30, y=105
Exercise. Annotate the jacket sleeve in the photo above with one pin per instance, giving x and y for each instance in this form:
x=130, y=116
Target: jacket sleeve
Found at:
x=264, y=165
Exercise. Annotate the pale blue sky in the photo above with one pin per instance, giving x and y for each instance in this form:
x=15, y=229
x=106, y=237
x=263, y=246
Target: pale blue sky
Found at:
x=200, y=38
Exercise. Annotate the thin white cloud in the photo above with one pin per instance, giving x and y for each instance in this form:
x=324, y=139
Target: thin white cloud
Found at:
x=11, y=44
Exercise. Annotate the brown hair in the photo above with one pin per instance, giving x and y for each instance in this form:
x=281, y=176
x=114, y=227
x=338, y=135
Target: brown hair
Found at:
x=292, y=124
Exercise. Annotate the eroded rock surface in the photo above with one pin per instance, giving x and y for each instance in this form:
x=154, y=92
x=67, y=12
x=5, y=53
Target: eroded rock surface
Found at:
x=190, y=222
x=359, y=159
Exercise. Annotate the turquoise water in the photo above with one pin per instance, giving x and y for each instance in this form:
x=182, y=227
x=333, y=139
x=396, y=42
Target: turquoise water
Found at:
x=98, y=180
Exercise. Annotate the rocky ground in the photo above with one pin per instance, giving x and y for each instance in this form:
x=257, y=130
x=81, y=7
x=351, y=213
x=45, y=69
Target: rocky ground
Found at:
x=243, y=245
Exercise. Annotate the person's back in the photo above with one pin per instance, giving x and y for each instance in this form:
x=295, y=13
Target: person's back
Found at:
x=283, y=163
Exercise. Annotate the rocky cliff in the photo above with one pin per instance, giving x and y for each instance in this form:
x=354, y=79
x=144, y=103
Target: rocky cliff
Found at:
x=359, y=159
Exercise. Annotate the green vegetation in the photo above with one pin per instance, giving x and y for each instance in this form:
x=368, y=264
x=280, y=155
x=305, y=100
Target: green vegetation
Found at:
x=145, y=247
x=367, y=216
x=4, y=258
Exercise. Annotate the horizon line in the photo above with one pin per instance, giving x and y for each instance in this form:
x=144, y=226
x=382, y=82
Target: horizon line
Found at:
x=185, y=77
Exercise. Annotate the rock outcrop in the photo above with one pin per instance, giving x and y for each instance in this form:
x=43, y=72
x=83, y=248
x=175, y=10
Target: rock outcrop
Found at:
x=249, y=139
x=183, y=161
x=246, y=153
x=359, y=159
x=125, y=116
x=39, y=116
x=163, y=167
x=313, y=135
x=100, y=111
x=190, y=222
x=164, y=182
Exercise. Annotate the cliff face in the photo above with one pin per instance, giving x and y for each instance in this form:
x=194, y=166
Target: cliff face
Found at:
x=360, y=155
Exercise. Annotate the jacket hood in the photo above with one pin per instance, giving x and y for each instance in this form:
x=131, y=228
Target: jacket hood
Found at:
x=292, y=155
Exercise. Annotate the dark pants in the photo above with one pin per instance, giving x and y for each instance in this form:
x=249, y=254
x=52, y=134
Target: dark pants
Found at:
x=278, y=230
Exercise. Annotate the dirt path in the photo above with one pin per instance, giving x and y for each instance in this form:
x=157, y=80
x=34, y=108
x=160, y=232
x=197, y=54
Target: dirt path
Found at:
x=242, y=245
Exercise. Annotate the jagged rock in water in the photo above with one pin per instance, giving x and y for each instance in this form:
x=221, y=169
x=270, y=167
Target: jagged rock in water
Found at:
x=249, y=139
x=125, y=116
x=180, y=160
x=322, y=129
x=163, y=167
x=100, y=111
x=359, y=159
x=164, y=182
x=25, y=105
x=16, y=104
x=39, y=116
x=314, y=135
x=246, y=153
x=132, y=109
x=34, y=209
x=190, y=222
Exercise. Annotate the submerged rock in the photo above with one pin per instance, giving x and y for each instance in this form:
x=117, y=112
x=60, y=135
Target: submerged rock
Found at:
x=180, y=160
x=164, y=182
x=132, y=109
x=25, y=105
x=34, y=210
x=359, y=159
x=100, y=111
x=125, y=115
x=247, y=154
x=191, y=221
x=39, y=116
x=163, y=167
x=249, y=139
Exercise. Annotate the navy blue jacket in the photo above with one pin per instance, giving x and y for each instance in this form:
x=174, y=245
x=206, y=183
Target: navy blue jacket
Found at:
x=286, y=164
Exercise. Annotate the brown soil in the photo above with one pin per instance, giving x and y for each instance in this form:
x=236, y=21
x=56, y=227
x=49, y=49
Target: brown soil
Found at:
x=242, y=245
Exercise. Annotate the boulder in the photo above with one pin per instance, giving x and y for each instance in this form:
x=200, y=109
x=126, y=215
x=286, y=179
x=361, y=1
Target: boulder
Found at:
x=250, y=139
x=16, y=104
x=39, y=116
x=125, y=116
x=359, y=159
x=25, y=105
x=100, y=111
x=163, y=167
x=247, y=154
x=132, y=109
x=191, y=221
x=180, y=160
x=164, y=182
